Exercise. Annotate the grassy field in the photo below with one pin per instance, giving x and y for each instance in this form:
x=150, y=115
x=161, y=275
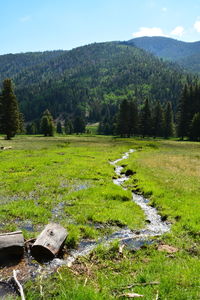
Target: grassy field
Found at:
x=69, y=180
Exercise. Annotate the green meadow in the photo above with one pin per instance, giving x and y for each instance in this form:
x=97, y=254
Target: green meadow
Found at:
x=69, y=180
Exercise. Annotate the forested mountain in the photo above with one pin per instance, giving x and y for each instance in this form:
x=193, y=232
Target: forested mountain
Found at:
x=89, y=78
x=12, y=64
x=191, y=63
x=186, y=54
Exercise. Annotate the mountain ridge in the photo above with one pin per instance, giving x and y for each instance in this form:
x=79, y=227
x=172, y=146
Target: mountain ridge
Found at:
x=87, y=77
x=184, y=53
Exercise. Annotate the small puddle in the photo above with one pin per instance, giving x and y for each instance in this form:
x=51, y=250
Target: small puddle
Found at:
x=81, y=187
x=57, y=211
x=25, y=225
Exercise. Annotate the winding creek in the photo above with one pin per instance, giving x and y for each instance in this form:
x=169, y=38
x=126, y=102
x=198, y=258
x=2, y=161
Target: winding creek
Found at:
x=132, y=239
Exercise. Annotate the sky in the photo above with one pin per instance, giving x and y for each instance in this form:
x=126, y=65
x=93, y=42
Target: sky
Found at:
x=39, y=25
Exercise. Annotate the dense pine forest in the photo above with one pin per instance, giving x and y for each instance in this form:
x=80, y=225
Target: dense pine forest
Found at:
x=88, y=78
x=127, y=90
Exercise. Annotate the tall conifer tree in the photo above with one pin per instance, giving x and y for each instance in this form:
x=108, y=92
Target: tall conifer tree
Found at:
x=123, y=119
x=184, y=115
x=59, y=128
x=157, y=121
x=79, y=125
x=145, y=120
x=168, y=128
x=195, y=127
x=133, y=118
x=68, y=126
x=9, y=110
x=46, y=124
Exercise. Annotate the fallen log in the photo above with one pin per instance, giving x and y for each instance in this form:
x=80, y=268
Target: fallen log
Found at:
x=6, y=148
x=11, y=244
x=48, y=244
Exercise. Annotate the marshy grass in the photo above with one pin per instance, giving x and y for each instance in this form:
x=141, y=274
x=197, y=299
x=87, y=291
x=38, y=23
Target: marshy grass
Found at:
x=39, y=173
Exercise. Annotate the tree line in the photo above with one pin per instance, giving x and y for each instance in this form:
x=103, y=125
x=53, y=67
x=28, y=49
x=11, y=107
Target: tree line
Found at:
x=189, y=113
x=149, y=120
x=12, y=120
x=130, y=119
x=157, y=119
x=47, y=126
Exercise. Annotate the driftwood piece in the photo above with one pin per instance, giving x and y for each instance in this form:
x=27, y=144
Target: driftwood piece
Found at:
x=6, y=148
x=11, y=243
x=137, y=284
x=20, y=288
x=49, y=242
x=130, y=295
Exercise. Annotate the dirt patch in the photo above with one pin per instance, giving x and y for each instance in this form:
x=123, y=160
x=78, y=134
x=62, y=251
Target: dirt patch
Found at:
x=167, y=248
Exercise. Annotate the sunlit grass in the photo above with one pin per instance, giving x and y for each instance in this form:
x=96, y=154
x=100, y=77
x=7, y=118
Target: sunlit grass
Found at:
x=39, y=173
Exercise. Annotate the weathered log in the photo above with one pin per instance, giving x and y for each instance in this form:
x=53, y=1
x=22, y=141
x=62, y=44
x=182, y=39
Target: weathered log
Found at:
x=49, y=242
x=6, y=148
x=11, y=243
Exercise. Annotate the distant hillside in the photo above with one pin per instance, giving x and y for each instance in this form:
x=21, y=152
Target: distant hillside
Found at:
x=191, y=63
x=12, y=64
x=186, y=54
x=88, y=78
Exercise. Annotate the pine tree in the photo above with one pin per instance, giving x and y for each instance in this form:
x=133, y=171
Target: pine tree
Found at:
x=79, y=125
x=157, y=121
x=123, y=119
x=195, y=127
x=59, y=128
x=168, y=125
x=68, y=126
x=46, y=124
x=31, y=128
x=105, y=126
x=184, y=114
x=21, y=124
x=133, y=118
x=145, y=120
x=9, y=111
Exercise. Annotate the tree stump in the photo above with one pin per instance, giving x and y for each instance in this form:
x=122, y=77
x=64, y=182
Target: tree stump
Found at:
x=11, y=244
x=49, y=242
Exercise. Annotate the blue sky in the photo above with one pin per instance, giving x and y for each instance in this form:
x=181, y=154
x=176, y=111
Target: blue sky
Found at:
x=38, y=25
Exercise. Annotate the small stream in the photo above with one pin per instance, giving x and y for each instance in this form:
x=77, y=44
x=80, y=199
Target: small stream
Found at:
x=130, y=238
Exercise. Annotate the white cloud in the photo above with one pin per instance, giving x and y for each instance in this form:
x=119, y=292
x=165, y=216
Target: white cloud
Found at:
x=149, y=31
x=164, y=9
x=25, y=19
x=178, y=31
x=197, y=26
